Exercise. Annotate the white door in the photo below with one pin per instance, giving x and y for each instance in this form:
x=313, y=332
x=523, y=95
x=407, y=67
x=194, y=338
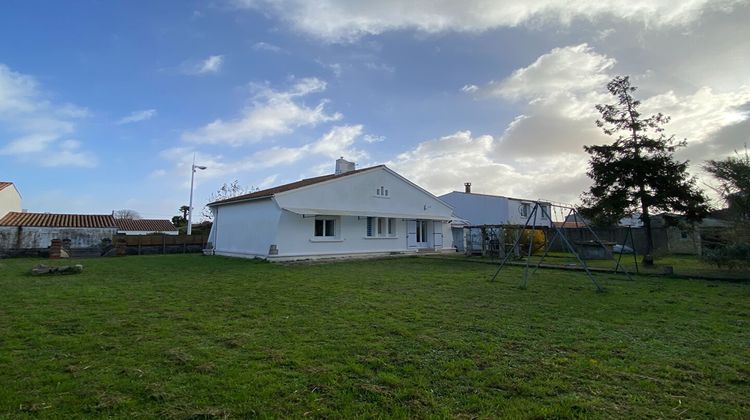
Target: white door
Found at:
x=437, y=232
x=411, y=233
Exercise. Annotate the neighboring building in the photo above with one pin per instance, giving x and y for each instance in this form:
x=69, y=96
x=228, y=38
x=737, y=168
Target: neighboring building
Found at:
x=370, y=211
x=28, y=231
x=495, y=210
x=145, y=227
x=10, y=198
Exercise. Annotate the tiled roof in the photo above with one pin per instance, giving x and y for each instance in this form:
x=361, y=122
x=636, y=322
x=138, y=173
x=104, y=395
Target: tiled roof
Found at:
x=145, y=225
x=4, y=185
x=291, y=186
x=58, y=220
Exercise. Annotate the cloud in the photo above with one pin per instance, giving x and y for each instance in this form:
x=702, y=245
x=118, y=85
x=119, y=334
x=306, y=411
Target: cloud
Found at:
x=264, y=46
x=212, y=64
x=271, y=113
x=338, y=141
x=35, y=126
x=346, y=21
x=370, y=138
x=469, y=88
x=137, y=116
x=568, y=69
x=442, y=165
x=540, y=153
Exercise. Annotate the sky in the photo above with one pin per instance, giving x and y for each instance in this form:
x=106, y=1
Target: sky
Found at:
x=103, y=104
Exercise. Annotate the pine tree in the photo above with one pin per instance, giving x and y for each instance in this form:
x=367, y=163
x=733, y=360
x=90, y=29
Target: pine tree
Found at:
x=638, y=172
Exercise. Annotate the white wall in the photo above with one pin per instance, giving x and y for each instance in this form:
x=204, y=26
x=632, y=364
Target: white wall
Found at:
x=478, y=209
x=481, y=209
x=516, y=218
x=10, y=200
x=246, y=228
x=357, y=192
x=41, y=237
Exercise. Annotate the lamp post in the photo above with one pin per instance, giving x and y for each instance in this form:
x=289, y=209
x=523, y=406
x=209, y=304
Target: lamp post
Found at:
x=192, y=178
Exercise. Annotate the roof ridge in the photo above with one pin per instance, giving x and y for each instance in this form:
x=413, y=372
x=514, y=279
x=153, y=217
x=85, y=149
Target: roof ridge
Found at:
x=269, y=192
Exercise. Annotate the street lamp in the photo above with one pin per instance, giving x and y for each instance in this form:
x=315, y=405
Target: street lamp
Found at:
x=192, y=178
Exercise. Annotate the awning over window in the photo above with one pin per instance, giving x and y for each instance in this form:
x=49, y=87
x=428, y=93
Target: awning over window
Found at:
x=328, y=212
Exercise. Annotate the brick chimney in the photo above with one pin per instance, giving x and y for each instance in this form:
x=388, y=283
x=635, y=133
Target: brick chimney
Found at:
x=468, y=187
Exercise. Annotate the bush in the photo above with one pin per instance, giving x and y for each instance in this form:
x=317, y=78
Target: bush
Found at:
x=735, y=255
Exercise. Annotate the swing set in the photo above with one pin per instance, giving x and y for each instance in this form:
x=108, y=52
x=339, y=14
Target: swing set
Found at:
x=545, y=210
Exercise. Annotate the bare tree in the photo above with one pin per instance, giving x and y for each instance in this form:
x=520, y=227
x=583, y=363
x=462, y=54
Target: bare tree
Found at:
x=232, y=189
x=126, y=214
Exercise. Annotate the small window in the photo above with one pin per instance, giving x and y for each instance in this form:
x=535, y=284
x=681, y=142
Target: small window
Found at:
x=381, y=226
x=325, y=228
x=684, y=234
x=391, y=226
x=370, y=222
x=524, y=209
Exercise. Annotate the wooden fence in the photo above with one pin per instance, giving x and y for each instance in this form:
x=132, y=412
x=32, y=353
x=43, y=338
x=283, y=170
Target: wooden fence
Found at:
x=162, y=244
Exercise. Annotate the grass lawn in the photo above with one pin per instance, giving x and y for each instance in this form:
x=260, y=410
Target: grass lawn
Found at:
x=204, y=337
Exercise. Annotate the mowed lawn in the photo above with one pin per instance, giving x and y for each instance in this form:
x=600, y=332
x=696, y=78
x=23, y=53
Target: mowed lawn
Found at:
x=212, y=337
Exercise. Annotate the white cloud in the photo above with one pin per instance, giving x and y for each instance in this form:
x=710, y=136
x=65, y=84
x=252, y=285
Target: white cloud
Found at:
x=344, y=20
x=370, y=138
x=271, y=113
x=265, y=46
x=469, y=88
x=212, y=64
x=338, y=141
x=36, y=126
x=137, y=116
x=442, y=165
x=575, y=68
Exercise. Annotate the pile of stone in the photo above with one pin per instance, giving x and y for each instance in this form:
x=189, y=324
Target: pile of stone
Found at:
x=42, y=269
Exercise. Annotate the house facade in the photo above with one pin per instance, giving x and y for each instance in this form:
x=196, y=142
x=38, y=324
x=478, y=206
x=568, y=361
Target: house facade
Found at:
x=353, y=212
x=10, y=198
x=494, y=210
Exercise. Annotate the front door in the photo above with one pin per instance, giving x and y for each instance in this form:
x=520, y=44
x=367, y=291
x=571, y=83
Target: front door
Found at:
x=422, y=234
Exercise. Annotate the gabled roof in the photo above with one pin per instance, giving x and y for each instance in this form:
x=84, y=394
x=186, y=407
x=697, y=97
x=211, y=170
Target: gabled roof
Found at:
x=291, y=186
x=4, y=185
x=58, y=220
x=145, y=225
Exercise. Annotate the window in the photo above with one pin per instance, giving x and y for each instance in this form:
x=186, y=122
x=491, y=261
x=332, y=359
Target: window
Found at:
x=381, y=227
x=381, y=192
x=683, y=234
x=325, y=228
x=524, y=209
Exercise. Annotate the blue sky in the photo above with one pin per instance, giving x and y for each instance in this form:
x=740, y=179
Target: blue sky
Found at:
x=102, y=104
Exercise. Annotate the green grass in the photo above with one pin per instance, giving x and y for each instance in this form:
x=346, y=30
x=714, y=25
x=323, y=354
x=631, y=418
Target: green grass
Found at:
x=682, y=265
x=204, y=337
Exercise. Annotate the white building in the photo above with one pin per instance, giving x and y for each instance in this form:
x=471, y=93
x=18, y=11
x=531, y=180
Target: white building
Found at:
x=370, y=211
x=10, y=198
x=483, y=209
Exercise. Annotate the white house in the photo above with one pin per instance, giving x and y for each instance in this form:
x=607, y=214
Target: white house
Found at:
x=472, y=209
x=370, y=211
x=10, y=198
x=483, y=209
